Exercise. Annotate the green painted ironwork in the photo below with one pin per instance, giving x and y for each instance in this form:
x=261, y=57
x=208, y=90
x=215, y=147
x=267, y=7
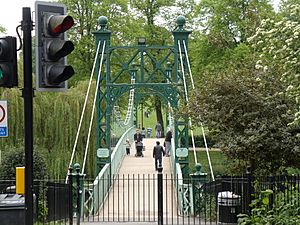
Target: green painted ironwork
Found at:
x=101, y=185
x=158, y=75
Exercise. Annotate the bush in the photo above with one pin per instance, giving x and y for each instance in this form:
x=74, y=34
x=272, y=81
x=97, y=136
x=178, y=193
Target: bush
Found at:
x=283, y=212
x=15, y=157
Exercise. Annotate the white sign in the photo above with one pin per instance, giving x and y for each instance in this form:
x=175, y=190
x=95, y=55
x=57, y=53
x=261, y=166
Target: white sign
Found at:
x=102, y=152
x=182, y=152
x=3, y=119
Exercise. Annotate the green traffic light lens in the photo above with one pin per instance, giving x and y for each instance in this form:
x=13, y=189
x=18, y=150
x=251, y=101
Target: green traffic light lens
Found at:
x=3, y=74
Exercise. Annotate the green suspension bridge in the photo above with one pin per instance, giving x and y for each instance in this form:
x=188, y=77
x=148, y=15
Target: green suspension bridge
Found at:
x=126, y=185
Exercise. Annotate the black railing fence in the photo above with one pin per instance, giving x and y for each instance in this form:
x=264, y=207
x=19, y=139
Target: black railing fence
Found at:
x=134, y=198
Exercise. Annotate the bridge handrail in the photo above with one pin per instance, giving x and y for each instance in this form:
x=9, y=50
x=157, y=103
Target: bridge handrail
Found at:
x=119, y=151
x=102, y=183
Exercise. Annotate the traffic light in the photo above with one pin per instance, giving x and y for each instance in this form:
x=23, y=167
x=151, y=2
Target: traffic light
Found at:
x=8, y=62
x=52, y=46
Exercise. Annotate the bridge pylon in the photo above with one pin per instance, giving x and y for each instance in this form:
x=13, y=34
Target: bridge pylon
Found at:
x=155, y=74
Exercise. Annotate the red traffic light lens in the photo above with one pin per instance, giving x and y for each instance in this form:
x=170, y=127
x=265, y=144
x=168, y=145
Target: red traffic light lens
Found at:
x=59, y=24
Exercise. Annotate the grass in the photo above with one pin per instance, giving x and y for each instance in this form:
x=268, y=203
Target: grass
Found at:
x=152, y=120
x=218, y=161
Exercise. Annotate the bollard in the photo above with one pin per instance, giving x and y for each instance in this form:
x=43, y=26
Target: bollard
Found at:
x=160, y=195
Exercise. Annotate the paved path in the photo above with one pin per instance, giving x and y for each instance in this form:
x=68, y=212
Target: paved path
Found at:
x=134, y=195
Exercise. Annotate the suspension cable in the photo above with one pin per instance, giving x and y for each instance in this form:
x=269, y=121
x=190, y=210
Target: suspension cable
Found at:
x=187, y=100
x=83, y=109
x=189, y=66
x=207, y=153
x=129, y=108
x=203, y=133
x=130, y=104
x=93, y=110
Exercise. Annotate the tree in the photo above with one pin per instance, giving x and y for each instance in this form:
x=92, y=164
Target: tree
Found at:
x=149, y=11
x=249, y=118
x=224, y=25
x=86, y=14
x=277, y=42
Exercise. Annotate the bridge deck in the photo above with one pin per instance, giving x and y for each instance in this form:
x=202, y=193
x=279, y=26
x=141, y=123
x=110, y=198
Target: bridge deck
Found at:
x=133, y=196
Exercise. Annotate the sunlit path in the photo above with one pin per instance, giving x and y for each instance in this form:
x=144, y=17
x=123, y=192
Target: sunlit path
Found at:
x=133, y=196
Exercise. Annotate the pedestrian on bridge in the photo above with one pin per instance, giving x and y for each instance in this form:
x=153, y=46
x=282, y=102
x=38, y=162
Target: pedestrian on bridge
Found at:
x=158, y=153
x=138, y=136
x=168, y=142
x=127, y=146
x=158, y=129
x=143, y=132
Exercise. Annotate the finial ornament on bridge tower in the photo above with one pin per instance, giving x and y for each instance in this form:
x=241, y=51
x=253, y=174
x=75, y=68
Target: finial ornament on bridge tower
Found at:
x=180, y=22
x=102, y=20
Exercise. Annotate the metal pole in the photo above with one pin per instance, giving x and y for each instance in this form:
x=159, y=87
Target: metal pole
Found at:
x=160, y=195
x=78, y=212
x=249, y=189
x=142, y=115
x=28, y=114
x=70, y=195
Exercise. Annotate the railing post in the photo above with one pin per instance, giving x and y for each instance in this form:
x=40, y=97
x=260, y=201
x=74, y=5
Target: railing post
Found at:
x=70, y=176
x=160, y=195
x=271, y=196
x=249, y=189
x=78, y=190
x=198, y=180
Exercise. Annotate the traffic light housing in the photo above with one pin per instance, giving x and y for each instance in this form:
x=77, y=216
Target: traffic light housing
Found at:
x=8, y=62
x=52, y=46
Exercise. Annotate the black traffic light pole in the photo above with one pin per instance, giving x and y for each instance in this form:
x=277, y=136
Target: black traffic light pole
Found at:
x=160, y=196
x=28, y=114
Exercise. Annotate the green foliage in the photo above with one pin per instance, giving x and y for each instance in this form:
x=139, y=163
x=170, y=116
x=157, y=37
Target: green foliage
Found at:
x=283, y=211
x=56, y=119
x=276, y=41
x=249, y=118
x=2, y=29
x=15, y=157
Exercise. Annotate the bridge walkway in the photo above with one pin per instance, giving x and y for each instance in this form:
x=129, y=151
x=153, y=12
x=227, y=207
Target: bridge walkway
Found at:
x=133, y=196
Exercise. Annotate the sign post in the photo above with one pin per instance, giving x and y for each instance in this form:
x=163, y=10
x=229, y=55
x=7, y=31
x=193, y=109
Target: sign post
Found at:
x=3, y=119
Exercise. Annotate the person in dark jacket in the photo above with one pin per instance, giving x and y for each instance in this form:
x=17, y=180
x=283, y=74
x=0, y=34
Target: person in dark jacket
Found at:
x=138, y=136
x=168, y=142
x=158, y=153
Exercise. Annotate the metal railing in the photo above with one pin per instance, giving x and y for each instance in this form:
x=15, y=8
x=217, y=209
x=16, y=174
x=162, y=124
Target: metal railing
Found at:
x=98, y=190
x=134, y=198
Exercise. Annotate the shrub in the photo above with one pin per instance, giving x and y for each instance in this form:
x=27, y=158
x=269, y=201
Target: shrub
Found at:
x=15, y=157
x=283, y=212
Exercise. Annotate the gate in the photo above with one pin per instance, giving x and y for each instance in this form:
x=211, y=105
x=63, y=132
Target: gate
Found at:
x=134, y=198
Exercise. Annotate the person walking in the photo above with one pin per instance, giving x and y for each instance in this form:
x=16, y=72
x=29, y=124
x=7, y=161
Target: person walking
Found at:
x=168, y=142
x=143, y=132
x=158, y=129
x=158, y=153
x=127, y=146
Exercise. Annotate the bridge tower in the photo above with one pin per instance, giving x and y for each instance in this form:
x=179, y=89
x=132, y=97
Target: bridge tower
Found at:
x=161, y=74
